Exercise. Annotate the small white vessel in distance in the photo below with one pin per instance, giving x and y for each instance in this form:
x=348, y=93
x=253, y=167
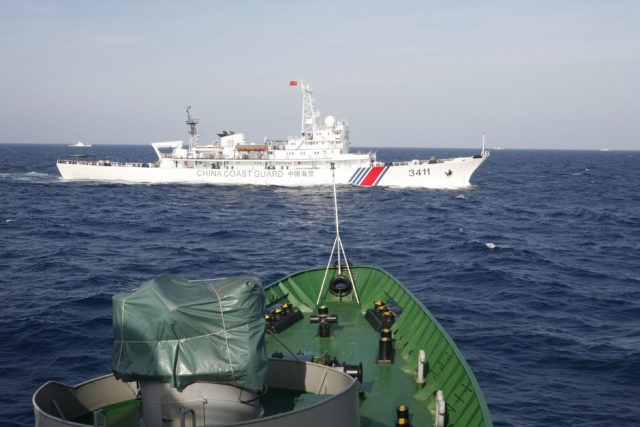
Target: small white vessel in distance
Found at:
x=79, y=144
x=301, y=160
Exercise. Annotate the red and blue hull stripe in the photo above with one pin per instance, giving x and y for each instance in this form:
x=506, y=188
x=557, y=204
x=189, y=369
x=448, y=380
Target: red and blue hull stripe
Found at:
x=368, y=176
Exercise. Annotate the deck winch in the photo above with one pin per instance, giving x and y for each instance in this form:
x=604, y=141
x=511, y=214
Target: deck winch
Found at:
x=355, y=371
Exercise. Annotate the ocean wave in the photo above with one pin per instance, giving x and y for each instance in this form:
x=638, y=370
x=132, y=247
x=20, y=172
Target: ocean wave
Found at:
x=534, y=278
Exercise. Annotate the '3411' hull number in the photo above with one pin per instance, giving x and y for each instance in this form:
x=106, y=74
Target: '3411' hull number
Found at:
x=419, y=172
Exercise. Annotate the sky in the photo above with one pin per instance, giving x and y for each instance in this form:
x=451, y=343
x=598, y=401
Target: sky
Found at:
x=530, y=74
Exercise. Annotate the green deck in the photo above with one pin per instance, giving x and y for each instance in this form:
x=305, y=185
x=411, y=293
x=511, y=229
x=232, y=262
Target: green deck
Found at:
x=354, y=341
x=385, y=386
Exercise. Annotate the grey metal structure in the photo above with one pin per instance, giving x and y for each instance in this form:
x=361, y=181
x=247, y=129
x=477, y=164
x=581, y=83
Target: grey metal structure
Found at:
x=57, y=405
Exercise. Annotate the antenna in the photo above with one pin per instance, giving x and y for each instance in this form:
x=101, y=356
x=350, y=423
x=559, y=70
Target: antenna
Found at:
x=337, y=243
x=482, y=154
x=193, y=133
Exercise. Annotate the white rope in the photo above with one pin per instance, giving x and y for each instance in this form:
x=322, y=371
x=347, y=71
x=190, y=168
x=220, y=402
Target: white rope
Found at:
x=340, y=248
x=208, y=280
x=121, y=332
x=326, y=271
x=224, y=329
x=353, y=282
x=196, y=337
x=324, y=377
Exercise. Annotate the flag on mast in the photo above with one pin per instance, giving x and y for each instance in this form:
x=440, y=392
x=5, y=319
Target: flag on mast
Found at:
x=293, y=83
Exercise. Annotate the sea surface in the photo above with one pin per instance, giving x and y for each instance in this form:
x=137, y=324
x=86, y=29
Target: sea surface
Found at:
x=534, y=270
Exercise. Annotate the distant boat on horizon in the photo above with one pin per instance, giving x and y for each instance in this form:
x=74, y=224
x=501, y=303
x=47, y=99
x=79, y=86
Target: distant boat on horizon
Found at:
x=605, y=149
x=79, y=144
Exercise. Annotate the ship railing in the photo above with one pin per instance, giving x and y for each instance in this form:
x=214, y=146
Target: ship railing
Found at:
x=125, y=164
x=281, y=144
x=416, y=162
x=76, y=160
x=275, y=144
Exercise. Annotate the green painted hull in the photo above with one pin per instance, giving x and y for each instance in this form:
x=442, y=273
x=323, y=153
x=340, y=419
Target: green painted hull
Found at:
x=354, y=340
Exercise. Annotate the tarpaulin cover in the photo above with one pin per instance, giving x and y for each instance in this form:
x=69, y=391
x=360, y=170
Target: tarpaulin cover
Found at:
x=180, y=332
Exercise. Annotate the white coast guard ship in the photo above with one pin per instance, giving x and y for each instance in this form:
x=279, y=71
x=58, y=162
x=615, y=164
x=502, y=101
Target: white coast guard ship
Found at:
x=301, y=160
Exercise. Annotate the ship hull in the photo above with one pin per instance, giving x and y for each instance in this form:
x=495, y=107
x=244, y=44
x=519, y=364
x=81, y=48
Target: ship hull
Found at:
x=451, y=173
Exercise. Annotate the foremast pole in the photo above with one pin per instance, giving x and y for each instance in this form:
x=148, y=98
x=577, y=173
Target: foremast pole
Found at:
x=194, y=138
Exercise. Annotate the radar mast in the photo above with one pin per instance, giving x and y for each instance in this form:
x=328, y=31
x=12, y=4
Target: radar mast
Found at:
x=308, y=111
x=194, y=138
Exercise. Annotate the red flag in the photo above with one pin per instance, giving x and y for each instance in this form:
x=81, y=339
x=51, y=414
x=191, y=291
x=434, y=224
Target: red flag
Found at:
x=293, y=83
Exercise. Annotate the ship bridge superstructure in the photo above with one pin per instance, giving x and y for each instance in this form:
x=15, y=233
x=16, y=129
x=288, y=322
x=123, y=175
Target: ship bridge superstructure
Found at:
x=320, y=142
x=329, y=140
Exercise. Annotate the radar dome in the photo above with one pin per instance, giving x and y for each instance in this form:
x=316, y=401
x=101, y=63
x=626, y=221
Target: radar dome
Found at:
x=330, y=121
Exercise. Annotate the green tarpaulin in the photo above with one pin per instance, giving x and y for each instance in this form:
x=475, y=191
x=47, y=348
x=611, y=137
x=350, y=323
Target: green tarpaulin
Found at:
x=180, y=332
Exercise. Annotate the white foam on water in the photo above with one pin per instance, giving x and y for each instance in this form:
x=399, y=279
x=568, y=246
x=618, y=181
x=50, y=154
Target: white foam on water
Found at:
x=38, y=174
x=492, y=245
